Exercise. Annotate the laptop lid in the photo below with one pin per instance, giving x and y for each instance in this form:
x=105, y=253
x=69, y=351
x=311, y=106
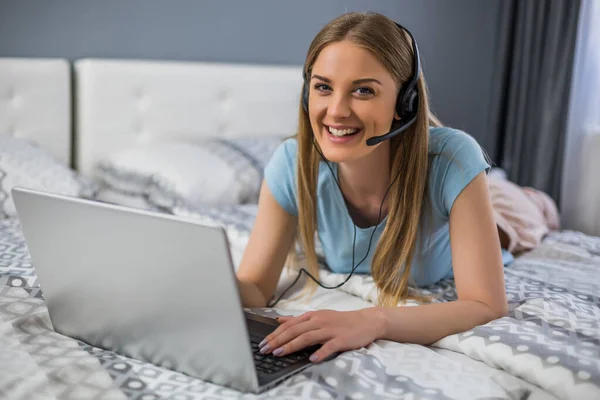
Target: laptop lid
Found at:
x=150, y=286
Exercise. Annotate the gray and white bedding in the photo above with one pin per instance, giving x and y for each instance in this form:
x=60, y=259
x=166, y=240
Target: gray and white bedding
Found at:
x=548, y=347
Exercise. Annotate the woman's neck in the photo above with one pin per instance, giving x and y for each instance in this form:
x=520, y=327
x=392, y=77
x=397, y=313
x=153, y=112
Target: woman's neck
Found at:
x=365, y=181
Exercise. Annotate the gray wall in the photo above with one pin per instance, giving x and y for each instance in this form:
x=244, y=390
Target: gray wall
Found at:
x=456, y=37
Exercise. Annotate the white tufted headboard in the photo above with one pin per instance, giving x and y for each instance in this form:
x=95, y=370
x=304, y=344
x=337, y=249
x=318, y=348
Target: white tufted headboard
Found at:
x=124, y=103
x=35, y=103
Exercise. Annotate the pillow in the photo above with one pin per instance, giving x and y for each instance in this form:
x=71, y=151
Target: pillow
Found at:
x=190, y=174
x=257, y=150
x=24, y=163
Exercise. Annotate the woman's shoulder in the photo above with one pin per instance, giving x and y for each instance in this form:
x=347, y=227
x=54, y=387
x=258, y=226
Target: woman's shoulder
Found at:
x=279, y=175
x=446, y=139
x=285, y=152
x=290, y=144
x=456, y=159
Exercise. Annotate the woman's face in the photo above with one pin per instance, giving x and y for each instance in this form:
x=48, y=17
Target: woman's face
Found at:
x=352, y=98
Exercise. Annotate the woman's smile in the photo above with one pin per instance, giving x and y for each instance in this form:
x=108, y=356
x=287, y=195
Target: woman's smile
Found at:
x=341, y=134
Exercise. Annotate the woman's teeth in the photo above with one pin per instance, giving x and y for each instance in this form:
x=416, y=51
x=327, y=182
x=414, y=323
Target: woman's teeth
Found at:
x=341, y=132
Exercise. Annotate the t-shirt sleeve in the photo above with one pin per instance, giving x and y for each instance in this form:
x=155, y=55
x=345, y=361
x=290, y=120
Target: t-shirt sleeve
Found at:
x=280, y=175
x=458, y=161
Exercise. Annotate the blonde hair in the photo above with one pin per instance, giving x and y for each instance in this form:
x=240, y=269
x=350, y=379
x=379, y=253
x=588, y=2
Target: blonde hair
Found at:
x=391, y=263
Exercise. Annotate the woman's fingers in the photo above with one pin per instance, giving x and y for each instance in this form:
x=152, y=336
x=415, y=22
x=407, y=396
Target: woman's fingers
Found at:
x=283, y=325
x=288, y=334
x=281, y=320
x=306, y=339
x=332, y=346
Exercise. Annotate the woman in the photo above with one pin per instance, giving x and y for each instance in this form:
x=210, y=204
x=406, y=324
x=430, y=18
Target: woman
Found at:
x=436, y=220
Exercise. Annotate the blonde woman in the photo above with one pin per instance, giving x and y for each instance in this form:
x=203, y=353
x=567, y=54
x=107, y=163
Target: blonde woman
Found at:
x=414, y=207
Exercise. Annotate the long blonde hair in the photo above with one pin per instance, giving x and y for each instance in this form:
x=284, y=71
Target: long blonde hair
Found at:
x=391, y=263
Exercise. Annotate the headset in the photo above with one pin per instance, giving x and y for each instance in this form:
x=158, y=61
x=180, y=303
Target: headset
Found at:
x=406, y=108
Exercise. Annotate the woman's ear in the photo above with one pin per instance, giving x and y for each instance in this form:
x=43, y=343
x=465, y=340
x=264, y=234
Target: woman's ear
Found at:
x=396, y=116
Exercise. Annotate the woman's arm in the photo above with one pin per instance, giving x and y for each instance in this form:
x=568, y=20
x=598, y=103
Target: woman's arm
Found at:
x=268, y=246
x=429, y=323
x=478, y=274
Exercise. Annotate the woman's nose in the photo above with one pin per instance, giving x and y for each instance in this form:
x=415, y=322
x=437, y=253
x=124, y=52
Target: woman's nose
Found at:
x=339, y=106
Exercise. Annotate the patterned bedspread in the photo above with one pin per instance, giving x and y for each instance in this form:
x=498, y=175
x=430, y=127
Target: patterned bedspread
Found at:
x=548, y=346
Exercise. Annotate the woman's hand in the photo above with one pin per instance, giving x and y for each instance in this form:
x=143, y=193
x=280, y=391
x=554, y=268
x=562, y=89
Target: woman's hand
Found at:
x=336, y=330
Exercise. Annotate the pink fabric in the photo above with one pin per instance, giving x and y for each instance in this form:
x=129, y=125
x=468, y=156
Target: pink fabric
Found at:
x=525, y=214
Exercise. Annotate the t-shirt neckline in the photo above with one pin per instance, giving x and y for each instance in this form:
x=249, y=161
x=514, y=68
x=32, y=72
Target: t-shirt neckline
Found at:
x=340, y=197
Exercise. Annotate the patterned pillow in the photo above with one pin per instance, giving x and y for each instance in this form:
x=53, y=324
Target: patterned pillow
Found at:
x=254, y=151
x=23, y=163
x=189, y=174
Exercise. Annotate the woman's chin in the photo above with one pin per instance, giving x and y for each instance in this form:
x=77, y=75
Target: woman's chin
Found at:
x=338, y=155
x=338, y=151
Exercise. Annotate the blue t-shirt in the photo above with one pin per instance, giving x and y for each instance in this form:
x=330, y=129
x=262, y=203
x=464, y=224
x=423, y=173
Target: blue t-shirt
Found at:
x=459, y=159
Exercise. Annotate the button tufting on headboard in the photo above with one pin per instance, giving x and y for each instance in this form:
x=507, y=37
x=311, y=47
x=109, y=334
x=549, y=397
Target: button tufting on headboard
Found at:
x=138, y=92
x=15, y=101
x=223, y=95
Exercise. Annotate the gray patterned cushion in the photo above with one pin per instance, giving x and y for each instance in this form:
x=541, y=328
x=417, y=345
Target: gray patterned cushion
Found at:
x=23, y=163
x=190, y=174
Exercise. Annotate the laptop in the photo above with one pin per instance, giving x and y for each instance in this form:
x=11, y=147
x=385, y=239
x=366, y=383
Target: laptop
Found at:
x=150, y=286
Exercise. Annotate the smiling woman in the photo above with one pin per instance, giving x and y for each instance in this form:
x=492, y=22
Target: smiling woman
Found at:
x=420, y=198
x=347, y=110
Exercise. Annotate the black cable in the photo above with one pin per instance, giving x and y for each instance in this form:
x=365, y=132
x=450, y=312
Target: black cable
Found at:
x=354, y=237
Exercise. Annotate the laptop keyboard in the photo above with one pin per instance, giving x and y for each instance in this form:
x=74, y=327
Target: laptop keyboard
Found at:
x=269, y=364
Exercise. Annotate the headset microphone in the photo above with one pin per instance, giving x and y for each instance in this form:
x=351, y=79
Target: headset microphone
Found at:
x=378, y=139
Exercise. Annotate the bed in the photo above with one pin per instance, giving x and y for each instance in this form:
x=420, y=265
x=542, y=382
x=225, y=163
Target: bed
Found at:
x=547, y=348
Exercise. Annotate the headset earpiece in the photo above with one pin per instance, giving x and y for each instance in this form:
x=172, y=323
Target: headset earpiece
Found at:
x=407, y=102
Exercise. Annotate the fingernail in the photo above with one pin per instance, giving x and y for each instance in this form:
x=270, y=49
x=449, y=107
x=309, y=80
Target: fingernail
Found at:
x=278, y=351
x=313, y=358
x=261, y=344
x=263, y=350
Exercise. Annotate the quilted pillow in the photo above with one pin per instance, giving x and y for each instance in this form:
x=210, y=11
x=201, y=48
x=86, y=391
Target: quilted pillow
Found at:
x=189, y=174
x=23, y=163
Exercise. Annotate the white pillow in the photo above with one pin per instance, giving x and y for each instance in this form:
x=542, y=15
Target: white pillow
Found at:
x=23, y=163
x=180, y=173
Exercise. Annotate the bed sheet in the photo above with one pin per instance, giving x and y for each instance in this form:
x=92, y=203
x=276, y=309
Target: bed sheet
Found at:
x=548, y=346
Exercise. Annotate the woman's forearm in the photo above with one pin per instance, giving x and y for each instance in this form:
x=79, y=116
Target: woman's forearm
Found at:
x=429, y=323
x=251, y=294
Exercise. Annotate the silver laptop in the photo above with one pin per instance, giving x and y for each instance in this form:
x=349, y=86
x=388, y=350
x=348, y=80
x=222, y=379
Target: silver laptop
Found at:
x=150, y=286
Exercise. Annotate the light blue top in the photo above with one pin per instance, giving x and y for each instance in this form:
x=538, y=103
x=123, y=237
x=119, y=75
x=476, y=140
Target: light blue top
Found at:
x=460, y=160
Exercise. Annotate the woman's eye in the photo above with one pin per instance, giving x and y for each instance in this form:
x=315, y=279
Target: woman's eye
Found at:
x=322, y=87
x=365, y=91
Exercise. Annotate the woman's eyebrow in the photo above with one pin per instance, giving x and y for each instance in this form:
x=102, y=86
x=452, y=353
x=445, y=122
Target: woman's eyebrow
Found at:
x=321, y=78
x=366, y=80
x=363, y=80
